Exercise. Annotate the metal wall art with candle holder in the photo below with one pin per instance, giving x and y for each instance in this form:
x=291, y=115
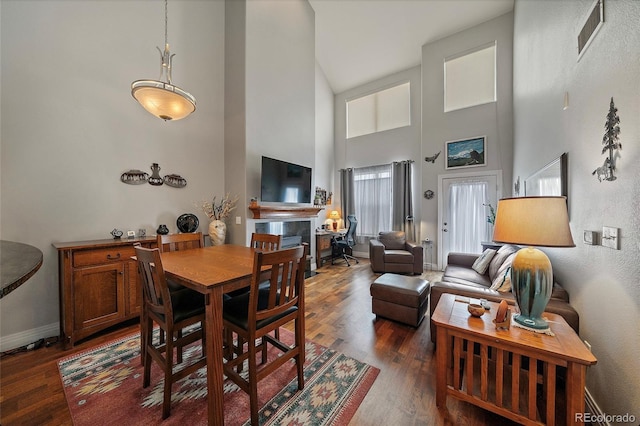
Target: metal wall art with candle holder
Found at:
x=532, y=221
x=138, y=177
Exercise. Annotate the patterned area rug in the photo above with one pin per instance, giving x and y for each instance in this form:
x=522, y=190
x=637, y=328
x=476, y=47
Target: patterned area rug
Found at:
x=103, y=386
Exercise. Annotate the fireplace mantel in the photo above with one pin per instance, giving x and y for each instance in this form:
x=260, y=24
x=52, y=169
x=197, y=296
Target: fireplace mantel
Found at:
x=284, y=212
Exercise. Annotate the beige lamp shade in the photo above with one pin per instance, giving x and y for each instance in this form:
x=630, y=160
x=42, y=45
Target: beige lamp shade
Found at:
x=533, y=221
x=163, y=100
x=334, y=215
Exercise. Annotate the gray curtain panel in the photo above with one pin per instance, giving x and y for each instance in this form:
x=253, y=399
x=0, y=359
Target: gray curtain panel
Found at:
x=346, y=193
x=402, y=204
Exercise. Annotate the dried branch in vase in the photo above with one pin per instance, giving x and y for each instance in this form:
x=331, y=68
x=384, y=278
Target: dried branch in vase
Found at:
x=219, y=210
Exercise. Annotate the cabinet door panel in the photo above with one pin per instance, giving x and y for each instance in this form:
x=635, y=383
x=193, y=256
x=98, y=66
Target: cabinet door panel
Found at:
x=134, y=288
x=98, y=295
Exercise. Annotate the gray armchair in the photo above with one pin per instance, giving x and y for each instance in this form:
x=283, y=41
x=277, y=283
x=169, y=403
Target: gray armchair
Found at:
x=391, y=252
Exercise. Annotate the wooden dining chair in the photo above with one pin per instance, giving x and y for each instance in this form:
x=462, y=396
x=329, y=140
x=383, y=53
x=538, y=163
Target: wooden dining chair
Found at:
x=253, y=315
x=175, y=242
x=172, y=312
x=266, y=242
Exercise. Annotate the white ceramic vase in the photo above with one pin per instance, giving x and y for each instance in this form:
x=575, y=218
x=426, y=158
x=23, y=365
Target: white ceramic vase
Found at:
x=217, y=232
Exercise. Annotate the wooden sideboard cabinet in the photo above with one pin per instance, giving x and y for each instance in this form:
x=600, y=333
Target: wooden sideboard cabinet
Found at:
x=98, y=285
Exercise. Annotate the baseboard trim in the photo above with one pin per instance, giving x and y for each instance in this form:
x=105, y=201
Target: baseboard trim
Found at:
x=592, y=408
x=23, y=338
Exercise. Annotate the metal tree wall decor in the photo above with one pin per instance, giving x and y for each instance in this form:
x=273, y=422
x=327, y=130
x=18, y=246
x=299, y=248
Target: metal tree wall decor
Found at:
x=611, y=145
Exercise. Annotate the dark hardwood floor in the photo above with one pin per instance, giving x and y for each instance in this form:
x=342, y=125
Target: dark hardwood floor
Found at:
x=338, y=315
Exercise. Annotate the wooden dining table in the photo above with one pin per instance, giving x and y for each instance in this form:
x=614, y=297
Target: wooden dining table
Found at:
x=212, y=271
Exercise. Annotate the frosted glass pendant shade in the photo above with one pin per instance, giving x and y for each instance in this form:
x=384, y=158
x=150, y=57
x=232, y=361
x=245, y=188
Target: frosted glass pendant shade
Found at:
x=163, y=100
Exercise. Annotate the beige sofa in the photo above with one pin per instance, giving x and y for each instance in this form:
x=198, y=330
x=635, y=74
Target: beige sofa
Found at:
x=459, y=278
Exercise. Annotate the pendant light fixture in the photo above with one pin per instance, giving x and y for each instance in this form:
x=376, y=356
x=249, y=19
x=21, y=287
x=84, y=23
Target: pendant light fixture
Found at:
x=160, y=97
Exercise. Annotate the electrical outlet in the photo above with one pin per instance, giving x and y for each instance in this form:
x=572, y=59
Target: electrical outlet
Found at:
x=588, y=345
x=238, y=220
x=610, y=237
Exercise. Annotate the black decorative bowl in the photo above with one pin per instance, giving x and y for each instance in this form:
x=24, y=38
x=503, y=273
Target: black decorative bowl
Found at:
x=188, y=223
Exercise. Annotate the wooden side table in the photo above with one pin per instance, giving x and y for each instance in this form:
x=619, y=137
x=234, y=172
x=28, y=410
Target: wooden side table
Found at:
x=492, y=368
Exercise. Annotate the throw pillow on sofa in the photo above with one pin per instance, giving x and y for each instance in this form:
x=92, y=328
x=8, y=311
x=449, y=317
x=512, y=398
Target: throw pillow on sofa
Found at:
x=502, y=283
x=482, y=263
x=499, y=259
x=502, y=280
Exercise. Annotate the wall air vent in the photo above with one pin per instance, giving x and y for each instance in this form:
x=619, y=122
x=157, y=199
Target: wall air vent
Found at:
x=591, y=26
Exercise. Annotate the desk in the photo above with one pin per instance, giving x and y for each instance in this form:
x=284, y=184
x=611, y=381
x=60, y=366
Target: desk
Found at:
x=323, y=245
x=212, y=271
x=483, y=366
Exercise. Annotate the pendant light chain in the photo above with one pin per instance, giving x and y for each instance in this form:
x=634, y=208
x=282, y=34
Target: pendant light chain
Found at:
x=165, y=54
x=166, y=22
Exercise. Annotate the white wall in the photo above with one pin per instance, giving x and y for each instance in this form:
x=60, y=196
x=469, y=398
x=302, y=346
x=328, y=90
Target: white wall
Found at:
x=324, y=149
x=70, y=128
x=276, y=79
x=603, y=283
x=382, y=147
x=493, y=120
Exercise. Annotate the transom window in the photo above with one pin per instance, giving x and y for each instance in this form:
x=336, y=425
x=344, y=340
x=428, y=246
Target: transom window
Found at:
x=470, y=78
x=384, y=110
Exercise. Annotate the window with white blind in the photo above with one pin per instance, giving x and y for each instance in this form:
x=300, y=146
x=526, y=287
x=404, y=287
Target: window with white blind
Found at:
x=470, y=78
x=384, y=110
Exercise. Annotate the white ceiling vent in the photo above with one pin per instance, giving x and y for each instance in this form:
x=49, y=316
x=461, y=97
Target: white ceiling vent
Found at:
x=591, y=26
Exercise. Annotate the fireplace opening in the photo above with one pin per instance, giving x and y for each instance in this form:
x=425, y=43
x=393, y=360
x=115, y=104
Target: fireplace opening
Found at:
x=293, y=234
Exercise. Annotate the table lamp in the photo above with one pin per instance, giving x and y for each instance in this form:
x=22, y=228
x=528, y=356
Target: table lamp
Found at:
x=532, y=221
x=336, y=217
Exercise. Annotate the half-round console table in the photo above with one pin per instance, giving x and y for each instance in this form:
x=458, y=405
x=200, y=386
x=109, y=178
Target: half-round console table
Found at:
x=18, y=263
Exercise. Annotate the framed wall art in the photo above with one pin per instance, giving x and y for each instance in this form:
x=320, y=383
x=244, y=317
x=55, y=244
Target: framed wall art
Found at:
x=466, y=153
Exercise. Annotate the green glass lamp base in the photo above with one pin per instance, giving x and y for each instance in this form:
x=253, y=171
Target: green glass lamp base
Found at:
x=532, y=284
x=535, y=323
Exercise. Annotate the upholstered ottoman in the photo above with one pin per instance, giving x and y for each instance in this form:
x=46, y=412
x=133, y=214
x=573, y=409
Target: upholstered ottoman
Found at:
x=400, y=298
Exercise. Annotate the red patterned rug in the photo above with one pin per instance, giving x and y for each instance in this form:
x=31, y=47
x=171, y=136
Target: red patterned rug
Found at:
x=103, y=386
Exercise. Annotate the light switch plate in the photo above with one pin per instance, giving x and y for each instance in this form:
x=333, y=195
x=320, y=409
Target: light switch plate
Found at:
x=238, y=220
x=610, y=237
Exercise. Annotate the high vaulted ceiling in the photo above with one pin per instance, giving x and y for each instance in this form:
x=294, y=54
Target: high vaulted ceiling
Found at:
x=358, y=41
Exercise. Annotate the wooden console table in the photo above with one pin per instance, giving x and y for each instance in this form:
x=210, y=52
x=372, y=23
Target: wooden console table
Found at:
x=492, y=368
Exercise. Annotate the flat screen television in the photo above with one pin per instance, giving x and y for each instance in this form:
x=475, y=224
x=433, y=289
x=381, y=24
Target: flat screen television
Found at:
x=283, y=182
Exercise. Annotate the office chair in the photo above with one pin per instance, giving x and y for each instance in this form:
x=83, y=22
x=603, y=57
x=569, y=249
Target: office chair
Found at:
x=342, y=246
